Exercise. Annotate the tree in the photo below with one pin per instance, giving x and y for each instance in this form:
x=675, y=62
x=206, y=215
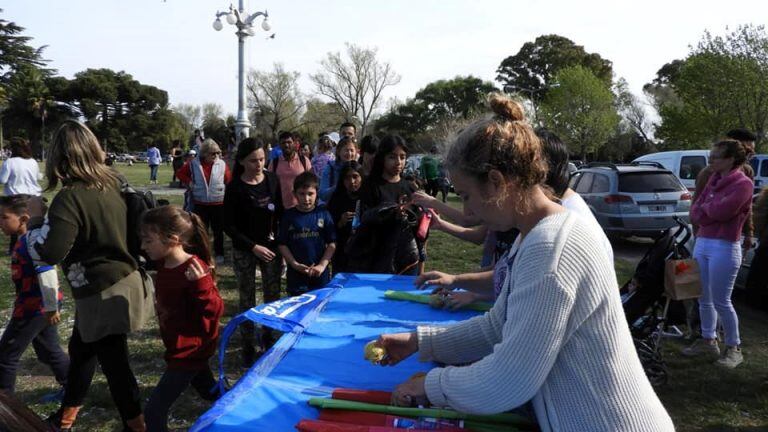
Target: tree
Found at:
x=720, y=85
x=580, y=109
x=355, y=83
x=16, y=51
x=123, y=113
x=28, y=103
x=436, y=106
x=320, y=117
x=530, y=72
x=216, y=126
x=633, y=111
x=191, y=115
x=275, y=99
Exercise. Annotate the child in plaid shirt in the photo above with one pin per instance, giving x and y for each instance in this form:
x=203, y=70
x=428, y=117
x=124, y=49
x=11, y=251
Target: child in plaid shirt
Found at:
x=36, y=309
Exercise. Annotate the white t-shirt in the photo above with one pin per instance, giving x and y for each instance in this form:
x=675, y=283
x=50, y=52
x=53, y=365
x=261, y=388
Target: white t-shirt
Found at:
x=576, y=204
x=20, y=176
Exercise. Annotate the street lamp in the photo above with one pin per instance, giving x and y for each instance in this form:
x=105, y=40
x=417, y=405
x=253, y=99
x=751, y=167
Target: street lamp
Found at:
x=244, y=23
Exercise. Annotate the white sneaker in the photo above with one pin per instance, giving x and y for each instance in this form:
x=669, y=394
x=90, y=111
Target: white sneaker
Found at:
x=731, y=358
x=701, y=347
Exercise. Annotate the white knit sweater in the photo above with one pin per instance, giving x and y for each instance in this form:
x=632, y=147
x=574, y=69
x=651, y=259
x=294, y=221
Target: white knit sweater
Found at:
x=556, y=335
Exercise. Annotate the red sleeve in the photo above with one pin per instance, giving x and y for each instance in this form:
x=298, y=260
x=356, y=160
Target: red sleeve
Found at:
x=227, y=174
x=207, y=303
x=184, y=174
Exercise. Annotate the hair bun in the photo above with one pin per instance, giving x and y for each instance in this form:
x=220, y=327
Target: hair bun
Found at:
x=505, y=107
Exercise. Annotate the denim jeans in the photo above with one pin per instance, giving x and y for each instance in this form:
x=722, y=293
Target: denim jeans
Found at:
x=719, y=261
x=18, y=335
x=153, y=172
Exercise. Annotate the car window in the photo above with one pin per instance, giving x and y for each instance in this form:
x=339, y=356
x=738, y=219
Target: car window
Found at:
x=585, y=185
x=763, y=168
x=574, y=179
x=690, y=166
x=601, y=184
x=648, y=182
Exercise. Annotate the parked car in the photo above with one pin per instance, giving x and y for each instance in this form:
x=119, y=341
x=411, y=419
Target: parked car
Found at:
x=141, y=156
x=759, y=163
x=685, y=164
x=639, y=199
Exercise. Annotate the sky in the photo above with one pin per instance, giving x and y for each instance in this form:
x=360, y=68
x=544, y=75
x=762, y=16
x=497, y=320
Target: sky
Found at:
x=171, y=44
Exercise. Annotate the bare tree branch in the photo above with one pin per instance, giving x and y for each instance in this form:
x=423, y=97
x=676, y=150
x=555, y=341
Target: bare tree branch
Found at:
x=355, y=84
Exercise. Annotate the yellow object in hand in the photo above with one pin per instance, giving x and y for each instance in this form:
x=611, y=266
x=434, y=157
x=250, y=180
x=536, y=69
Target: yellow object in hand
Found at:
x=437, y=301
x=374, y=353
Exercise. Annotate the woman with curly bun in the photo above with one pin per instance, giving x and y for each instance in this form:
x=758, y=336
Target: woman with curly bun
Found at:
x=556, y=335
x=720, y=212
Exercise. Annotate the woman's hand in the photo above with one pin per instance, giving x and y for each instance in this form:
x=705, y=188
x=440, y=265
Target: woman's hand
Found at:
x=423, y=199
x=411, y=393
x=345, y=218
x=35, y=206
x=456, y=300
x=435, y=280
x=299, y=267
x=399, y=346
x=195, y=271
x=263, y=253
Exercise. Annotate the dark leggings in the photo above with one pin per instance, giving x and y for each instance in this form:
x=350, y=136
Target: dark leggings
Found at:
x=44, y=339
x=171, y=385
x=112, y=354
x=245, y=264
x=213, y=216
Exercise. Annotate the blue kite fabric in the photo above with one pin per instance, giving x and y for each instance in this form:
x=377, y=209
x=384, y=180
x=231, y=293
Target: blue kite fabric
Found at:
x=322, y=349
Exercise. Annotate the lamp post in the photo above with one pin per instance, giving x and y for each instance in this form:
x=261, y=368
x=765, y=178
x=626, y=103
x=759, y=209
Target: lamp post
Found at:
x=244, y=23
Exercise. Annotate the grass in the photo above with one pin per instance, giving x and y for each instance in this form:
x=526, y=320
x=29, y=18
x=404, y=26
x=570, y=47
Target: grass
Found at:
x=699, y=396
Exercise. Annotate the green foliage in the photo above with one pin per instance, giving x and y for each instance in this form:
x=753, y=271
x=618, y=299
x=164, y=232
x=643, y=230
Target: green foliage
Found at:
x=581, y=109
x=320, y=117
x=721, y=85
x=531, y=71
x=275, y=100
x=438, y=103
x=16, y=51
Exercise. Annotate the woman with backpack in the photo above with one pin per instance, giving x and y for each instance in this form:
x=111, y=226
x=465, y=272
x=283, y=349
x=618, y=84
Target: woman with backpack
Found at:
x=85, y=233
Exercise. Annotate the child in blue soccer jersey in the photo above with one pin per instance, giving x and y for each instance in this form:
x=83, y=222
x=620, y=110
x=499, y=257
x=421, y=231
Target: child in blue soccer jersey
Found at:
x=307, y=238
x=36, y=309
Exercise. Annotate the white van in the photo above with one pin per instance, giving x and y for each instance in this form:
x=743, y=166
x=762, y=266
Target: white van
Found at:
x=759, y=163
x=685, y=164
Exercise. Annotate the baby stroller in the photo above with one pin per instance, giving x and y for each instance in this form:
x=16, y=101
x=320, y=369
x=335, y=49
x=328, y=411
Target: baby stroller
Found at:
x=645, y=305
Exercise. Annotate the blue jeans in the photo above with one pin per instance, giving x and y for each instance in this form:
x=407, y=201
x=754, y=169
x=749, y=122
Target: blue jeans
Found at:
x=719, y=261
x=153, y=172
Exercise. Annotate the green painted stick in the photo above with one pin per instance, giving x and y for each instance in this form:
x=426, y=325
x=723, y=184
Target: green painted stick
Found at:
x=423, y=298
x=504, y=418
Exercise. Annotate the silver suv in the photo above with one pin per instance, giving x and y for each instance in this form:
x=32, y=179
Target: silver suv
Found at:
x=639, y=199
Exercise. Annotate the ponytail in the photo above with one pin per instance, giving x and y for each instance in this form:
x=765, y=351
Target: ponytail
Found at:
x=198, y=243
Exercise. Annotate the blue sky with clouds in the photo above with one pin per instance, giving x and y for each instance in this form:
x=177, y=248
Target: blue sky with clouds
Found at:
x=171, y=44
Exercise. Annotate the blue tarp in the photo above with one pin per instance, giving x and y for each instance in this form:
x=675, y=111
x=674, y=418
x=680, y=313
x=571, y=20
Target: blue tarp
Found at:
x=322, y=350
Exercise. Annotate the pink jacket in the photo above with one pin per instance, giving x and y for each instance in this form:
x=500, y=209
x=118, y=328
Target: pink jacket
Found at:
x=723, y=207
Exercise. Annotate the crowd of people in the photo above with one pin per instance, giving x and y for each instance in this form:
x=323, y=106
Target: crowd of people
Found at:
x=310, y=212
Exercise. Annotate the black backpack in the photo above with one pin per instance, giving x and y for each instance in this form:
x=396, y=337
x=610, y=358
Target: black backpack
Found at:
x=137, y=202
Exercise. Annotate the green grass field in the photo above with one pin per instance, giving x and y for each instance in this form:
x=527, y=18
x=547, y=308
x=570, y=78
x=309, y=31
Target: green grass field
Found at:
x=699, y=396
